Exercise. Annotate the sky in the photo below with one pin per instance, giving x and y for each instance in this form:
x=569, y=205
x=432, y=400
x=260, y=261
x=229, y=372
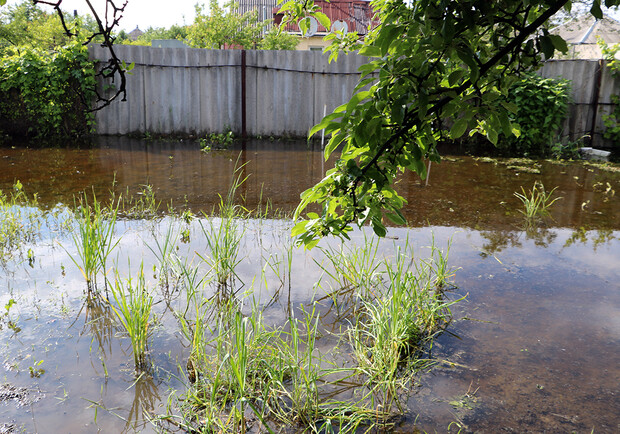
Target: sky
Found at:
x=142, y=13
x=154, y=13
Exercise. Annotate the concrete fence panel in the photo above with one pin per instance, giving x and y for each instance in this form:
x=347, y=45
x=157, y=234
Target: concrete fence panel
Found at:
x=285, y=93
x=196, y=91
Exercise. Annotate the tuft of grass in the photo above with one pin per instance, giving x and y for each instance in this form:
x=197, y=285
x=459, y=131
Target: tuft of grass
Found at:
x=240, y=367
x=94, y=239
x=20, y=220
x=224, y=234
x=164, y=252
x=396, y=326
x=142, y=205
x=133, y=304
x=537, y=201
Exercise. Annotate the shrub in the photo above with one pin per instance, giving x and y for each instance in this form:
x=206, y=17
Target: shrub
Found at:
x=47, y=95
x=612, y=120
x=541, y=108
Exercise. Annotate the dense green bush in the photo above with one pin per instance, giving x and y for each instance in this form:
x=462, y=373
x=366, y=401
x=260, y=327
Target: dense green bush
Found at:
x=541, y=107
x=46, y=95
x=612, y=120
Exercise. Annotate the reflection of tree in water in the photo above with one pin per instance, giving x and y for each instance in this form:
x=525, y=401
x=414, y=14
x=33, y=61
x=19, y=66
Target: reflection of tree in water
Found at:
x=146, y=396
x=541, y=236
x=582, y=234
x=497, y=241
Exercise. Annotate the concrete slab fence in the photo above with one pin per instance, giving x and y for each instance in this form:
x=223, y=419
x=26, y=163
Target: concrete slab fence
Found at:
x=198, y=91
x=284, y=93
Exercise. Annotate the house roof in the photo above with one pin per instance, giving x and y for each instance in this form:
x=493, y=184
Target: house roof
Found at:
x=135, y=33
x=585, y=30
x=581, y=33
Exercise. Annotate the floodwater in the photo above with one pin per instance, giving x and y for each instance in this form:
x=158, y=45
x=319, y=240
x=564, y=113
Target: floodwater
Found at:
x=535, y=347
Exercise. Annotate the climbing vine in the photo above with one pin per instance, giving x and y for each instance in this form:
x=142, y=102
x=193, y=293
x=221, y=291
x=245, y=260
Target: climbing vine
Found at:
x=47, y=95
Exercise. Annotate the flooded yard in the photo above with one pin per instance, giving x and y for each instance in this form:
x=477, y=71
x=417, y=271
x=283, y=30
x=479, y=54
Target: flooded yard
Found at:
x=533, y=346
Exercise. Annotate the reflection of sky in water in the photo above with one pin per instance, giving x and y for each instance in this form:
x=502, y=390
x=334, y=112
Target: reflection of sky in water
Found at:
x=551, y=297
x=554, y=301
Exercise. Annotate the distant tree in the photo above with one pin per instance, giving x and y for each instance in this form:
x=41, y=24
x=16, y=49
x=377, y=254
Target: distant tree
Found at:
x=27, y=25
x=275, y=39
x=222, y=27
x=174, y=32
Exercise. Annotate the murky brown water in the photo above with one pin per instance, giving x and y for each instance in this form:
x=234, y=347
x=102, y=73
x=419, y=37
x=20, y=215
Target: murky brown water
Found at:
x=537, y=346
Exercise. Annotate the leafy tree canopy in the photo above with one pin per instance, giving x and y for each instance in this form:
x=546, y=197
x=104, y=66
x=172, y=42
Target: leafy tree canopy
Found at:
x=276, y=39
x=222, y=27
x=174, y=32
x=27, y=25
x=438, y=69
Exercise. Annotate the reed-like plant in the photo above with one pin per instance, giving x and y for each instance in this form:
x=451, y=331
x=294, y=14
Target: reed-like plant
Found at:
x=352, y=266
x=537, y=201
x=390, y=337
x=224, y=234
x=94, y=239
x=20, y=219
x=163, y=251
x=132, y=307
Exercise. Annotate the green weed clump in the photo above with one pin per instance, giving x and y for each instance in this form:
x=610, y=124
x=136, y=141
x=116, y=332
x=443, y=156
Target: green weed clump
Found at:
x=537, y=202
x=240, y=369
x=239, y=365
x=224, y=234
x=94, y=239
x=398, y=321
x=133, y=304
x=20, y=220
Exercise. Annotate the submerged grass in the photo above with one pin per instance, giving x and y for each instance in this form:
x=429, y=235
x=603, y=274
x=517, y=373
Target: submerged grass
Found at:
x=20, y=219
x=94, y=239
x=243, y=372
x=537, y=201
x=224, y=235
x=133, y=305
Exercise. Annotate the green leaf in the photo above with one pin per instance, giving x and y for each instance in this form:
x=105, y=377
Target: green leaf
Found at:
x=465, y=53
x=378, y=227
x=511, y=107
x=396, y=217
x=492, y=135
x=596, y=10
x=299, y=228
x=324, y=123
x=388, y=34
x=333, y=144
x=370, y=51
x=322, y=19
x=459, y=128
x=547, y=46
x=356, y=99
x=505, y=123
x=559, y=43
x=455, y=77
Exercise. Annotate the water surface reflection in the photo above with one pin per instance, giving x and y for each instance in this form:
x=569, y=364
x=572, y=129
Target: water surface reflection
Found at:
x=536, y=346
